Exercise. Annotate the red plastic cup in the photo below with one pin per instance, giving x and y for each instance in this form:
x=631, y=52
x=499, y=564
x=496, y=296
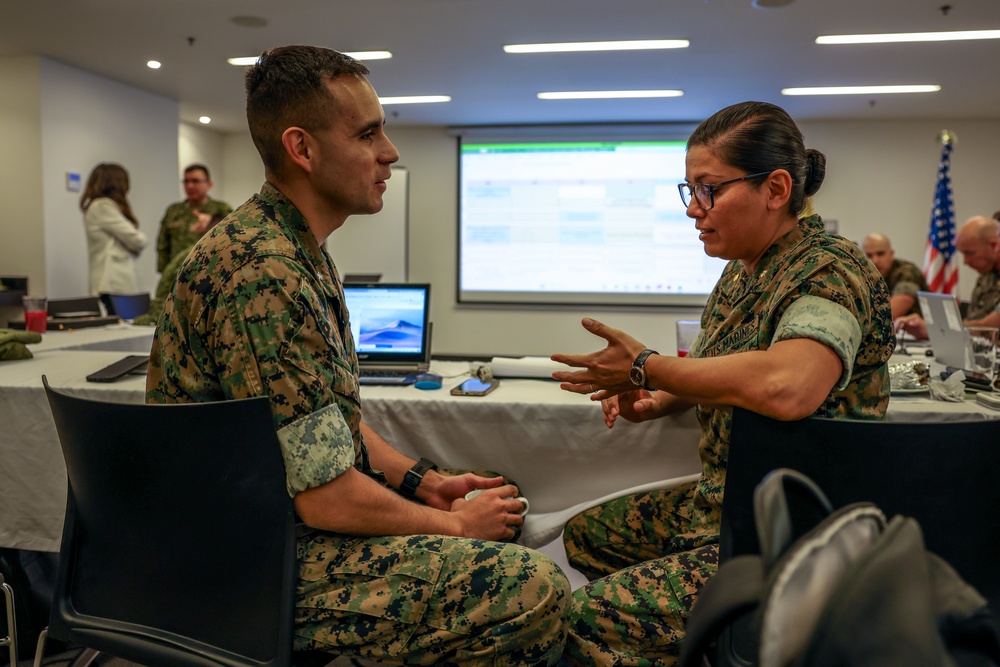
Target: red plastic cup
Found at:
x=687, y=331
x=36, y=315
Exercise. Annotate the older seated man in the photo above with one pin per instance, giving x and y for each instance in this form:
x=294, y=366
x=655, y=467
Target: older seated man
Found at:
x=978, y=241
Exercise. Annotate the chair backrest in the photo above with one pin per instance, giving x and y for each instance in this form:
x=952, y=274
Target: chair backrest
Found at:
x=76, y=306
x=179, y=541
x=128, y=306
x=944, y=475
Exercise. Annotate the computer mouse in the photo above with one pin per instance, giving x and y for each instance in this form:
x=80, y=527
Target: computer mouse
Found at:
x=427, y=381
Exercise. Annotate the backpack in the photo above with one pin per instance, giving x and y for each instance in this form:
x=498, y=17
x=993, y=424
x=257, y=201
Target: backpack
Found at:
x=856, y=590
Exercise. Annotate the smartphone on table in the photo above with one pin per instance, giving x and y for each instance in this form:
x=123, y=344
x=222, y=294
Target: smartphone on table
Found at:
x=132, y=364
x=475, y=387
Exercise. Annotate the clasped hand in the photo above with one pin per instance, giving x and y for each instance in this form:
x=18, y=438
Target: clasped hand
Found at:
x=489, y=515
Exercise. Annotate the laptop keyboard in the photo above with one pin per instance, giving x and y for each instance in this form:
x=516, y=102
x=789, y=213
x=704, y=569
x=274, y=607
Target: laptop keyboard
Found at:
x=385, y=377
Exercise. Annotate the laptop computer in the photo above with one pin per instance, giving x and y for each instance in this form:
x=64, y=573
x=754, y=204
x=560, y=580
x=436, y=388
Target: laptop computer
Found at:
x=391, y=329
x=945, y=330
x=362, y=277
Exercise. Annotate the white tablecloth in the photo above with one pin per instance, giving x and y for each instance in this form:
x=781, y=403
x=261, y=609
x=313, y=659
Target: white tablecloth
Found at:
x=552, y=443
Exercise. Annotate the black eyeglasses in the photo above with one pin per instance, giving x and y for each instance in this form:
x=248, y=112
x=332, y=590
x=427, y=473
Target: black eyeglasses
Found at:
x=704, y=193
x=194, y=180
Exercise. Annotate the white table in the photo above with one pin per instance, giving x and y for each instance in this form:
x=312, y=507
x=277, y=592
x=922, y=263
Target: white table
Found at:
x=552, y=443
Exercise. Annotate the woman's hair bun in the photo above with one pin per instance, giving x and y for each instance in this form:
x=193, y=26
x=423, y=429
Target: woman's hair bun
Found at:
x=815, y=171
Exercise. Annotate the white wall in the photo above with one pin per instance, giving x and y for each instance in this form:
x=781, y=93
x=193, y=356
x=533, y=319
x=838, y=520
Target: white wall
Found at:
x=881, y=177
x=87, y=119
x=243, y=169
x=22, y=251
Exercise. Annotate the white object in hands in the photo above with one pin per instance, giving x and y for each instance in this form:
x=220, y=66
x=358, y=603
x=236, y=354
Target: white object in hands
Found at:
x=524, y=501
x=524, y=367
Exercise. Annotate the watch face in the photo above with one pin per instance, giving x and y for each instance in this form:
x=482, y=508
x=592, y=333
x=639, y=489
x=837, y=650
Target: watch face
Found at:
x=637, y=376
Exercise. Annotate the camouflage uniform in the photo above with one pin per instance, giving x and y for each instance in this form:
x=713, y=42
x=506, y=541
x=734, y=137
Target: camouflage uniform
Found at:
x=655, y=550
x=258, y=309
x=985, y=296
x=175, y=228
x=906, y=279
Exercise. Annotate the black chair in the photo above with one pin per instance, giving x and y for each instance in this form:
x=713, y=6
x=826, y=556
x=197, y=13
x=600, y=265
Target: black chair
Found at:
x=9, y=640
x=179, y=542
x=944, y=475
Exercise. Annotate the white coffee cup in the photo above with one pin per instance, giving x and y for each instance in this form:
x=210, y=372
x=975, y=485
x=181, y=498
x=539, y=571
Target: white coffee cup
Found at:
x=524, y=501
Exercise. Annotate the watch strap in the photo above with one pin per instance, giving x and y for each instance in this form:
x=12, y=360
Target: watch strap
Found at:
x=640, y=365
x=413, y=477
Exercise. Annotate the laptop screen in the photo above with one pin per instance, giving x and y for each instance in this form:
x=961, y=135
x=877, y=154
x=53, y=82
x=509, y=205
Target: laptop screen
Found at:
x=944, y=328
x=389, y=322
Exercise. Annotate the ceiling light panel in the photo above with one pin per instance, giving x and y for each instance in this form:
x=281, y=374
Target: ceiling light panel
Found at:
x=246, y=61
x=415, y=99
x=608, y=94
x=861, y=90
x=568, y=47
x=901, y=37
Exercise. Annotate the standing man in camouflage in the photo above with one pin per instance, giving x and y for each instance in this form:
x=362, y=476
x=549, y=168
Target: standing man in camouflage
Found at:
x=904, y=279
x=185, y=222
x=797, y=325
x=393, y=562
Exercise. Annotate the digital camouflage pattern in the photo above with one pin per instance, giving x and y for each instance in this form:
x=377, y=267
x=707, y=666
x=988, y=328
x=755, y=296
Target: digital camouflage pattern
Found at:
x=808, y=284
x=985, y=296
x=435, y=600
x=906, y=279
x=258, y=310
x=175, y=229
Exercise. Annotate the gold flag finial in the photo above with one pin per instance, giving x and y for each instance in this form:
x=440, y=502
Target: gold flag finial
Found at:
x=947, y=137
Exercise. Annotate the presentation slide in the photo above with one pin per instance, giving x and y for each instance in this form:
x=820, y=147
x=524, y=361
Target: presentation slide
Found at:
x=597, y=222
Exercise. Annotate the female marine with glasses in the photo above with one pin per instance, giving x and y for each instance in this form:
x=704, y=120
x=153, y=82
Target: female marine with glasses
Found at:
x=798, y=325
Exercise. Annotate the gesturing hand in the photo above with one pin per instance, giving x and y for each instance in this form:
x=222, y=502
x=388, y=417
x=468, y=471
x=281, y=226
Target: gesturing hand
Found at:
x=606, y=371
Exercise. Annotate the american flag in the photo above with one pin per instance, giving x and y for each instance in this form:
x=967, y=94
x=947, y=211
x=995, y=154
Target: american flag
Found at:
x=940, y=265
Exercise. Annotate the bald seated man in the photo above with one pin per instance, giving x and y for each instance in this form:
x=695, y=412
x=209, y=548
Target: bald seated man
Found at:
x=977, y=239
x=903, y=278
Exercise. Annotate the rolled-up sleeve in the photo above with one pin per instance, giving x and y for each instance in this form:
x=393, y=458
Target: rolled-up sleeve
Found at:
x=826, y=322
x=316, y=449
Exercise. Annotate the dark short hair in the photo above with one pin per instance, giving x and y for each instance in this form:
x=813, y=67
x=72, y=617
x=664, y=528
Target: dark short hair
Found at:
x=287, y=88
x=761, y=137
x=195, y=167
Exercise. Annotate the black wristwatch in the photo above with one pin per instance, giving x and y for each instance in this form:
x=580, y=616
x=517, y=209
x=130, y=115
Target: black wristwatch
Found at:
x=638, y=371
x=413, y=476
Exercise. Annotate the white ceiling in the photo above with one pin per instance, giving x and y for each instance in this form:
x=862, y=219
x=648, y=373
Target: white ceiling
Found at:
x=453, y=47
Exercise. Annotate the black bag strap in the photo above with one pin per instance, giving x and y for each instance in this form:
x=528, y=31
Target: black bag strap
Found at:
x=772, y=510
x=731, y=592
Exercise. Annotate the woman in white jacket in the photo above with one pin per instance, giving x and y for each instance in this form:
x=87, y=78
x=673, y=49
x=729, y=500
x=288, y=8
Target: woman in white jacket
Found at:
x=113, y=236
